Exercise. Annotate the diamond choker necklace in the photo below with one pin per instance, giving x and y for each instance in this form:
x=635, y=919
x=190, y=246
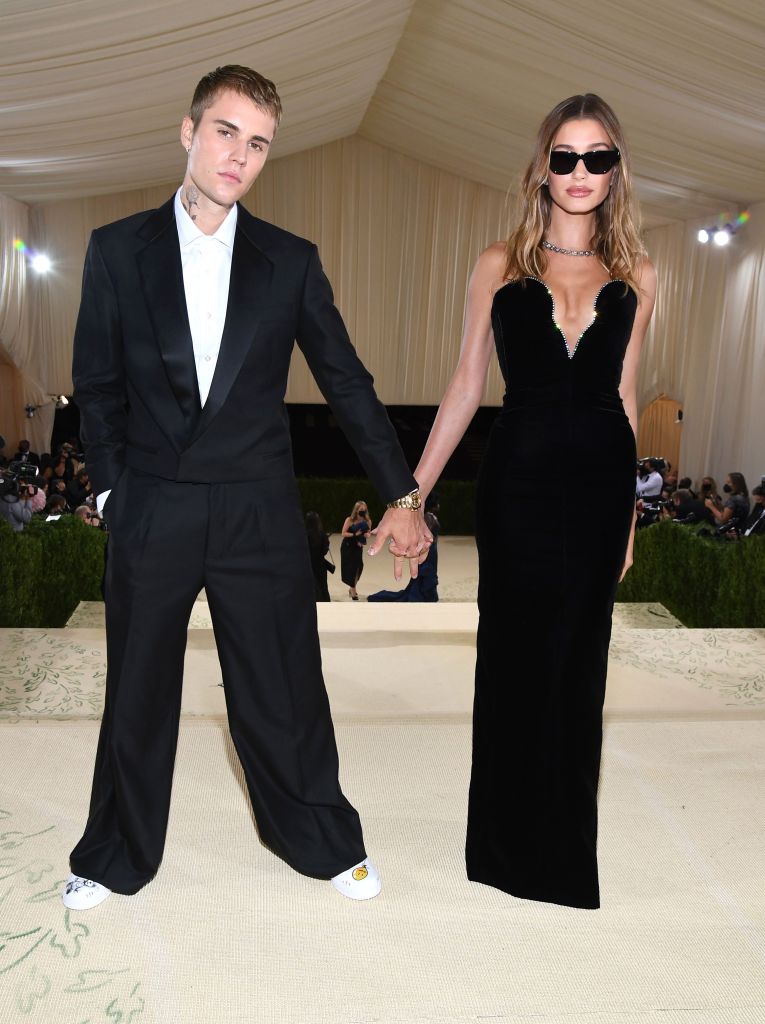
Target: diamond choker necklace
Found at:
x=567, y=252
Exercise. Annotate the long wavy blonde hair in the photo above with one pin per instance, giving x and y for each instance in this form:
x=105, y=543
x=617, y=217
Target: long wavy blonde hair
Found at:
x=616, y=240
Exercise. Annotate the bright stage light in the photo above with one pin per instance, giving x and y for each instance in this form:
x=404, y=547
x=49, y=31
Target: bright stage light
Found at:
x=41, y=263
x=703, y=236
x=722, y=237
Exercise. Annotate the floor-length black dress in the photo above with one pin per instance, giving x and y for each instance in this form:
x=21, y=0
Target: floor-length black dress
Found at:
x=555, y=502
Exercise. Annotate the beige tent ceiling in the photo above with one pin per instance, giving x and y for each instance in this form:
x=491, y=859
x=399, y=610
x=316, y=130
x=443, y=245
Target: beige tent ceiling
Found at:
x=92, y=90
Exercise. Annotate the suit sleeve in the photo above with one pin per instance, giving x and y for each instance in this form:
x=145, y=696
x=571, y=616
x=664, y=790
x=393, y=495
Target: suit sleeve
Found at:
x=348, y=387
x=98, y=373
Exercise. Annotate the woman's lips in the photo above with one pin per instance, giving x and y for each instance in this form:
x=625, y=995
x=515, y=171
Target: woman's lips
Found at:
x=579, y=193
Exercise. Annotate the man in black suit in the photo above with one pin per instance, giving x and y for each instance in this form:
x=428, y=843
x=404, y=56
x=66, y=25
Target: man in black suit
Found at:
x=187, y=323
x=25, y=455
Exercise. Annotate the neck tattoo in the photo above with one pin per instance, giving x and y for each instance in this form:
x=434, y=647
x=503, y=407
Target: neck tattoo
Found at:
x=190, y=199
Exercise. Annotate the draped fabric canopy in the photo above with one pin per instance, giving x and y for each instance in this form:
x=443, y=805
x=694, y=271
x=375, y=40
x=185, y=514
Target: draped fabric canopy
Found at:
x=92, y=90
x=432, y=106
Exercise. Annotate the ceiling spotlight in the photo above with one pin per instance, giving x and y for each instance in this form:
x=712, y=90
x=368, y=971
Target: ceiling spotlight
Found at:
x=723, y=231
x=41, y=263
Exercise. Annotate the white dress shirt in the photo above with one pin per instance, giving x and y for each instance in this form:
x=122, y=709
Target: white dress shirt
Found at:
x=651, y=486
x=206, y=262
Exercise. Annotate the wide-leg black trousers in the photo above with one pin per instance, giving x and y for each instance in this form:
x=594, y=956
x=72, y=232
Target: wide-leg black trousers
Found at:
x=245, y=543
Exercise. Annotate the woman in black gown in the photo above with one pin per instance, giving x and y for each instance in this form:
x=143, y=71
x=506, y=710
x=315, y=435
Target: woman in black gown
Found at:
x=565, y=303
x=355, y=529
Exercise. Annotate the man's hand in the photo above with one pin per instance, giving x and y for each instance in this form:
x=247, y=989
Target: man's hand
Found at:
x=408, y=537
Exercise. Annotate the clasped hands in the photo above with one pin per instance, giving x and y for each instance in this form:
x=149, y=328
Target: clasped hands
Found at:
x=407, y=537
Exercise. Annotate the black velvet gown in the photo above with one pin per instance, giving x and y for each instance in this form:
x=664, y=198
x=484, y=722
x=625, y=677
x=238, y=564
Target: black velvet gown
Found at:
x=555, y=502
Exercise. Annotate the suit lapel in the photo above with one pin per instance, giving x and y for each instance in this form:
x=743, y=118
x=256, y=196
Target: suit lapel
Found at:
x=249, y=285
x=161, y=273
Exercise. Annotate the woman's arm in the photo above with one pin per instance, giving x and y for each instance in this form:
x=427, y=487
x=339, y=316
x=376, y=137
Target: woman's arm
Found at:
x=345, y=531
x=721, y=515
x=628, y=384
x=463, y=394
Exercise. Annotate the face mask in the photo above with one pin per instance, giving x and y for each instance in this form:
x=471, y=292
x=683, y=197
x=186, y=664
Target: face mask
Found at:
x=727, y=488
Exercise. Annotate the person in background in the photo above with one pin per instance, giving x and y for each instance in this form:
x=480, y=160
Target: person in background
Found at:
x=25, y=455
x=735, y=510
x=56, y=505
x=685, y=484
x=18, y=513
x=40, y=496
x=709, y=489
x=424, y=587
x=318, y=545
x=689, y=509
x=60, y=469
x=650, y=482
x=355, y=529
x=86, y=514
x=755, y=523
x=58, y=486
x=78, y=488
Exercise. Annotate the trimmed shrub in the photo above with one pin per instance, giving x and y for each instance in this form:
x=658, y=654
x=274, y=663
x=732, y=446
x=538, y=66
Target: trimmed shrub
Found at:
x=48, y=568
x=704, y=581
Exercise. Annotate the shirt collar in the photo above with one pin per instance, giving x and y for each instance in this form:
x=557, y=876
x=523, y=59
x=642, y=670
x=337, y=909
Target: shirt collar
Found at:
x=188, y=231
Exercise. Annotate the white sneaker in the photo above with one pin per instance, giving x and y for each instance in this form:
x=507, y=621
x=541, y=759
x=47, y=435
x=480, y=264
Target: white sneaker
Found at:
x=82, y=894
x=361, y=882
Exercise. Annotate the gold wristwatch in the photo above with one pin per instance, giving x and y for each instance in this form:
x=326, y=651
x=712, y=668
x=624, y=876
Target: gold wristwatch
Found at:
x=411, y=501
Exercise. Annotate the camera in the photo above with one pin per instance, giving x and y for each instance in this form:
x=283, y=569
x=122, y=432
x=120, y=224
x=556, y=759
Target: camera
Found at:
x=17, y=481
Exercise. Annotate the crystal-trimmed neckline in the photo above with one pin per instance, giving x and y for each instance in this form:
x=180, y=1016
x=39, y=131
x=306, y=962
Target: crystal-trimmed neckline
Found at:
x=571, y=352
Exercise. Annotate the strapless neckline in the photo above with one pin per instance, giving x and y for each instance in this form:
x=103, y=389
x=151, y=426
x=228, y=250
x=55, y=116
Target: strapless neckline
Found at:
x=570, y=352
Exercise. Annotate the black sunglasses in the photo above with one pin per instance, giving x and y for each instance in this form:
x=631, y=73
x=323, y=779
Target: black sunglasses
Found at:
x=597, y=161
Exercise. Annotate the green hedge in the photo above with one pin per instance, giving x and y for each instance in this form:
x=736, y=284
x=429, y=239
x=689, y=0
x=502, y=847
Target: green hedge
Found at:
x=704, y=581
x=48, y=568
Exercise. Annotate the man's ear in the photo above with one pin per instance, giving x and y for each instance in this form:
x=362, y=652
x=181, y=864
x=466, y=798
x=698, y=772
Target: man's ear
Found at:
x=187, y=133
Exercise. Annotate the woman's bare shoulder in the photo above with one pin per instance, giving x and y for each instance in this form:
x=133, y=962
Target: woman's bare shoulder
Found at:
x=489, y=270
x=646, y=275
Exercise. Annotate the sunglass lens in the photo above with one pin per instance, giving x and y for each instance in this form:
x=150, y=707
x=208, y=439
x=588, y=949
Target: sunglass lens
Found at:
x=600, y=161
x=562, y=162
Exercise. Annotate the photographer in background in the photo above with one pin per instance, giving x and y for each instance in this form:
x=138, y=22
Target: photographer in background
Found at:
x=650, y=481
x=79, y=489
x=86, y=514
x=17, y=512
x=686, y=508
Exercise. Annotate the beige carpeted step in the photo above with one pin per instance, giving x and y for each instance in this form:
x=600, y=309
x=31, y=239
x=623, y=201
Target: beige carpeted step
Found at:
x=414, y=660
x=228, y=934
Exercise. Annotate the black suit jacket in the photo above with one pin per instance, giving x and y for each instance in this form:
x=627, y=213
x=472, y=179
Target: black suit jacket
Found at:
x=134, y=374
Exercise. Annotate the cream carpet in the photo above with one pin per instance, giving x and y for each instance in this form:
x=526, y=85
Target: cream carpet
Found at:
x=228, y=933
